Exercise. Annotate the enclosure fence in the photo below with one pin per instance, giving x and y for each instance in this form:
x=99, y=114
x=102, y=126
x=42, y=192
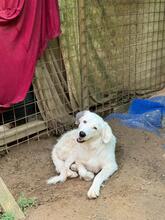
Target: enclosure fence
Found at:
x=108, y=53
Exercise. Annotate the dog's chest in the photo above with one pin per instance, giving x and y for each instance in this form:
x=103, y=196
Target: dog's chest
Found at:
x=90, y=159
x=93, y=165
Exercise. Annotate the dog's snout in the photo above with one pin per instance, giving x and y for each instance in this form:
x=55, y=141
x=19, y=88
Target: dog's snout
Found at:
x=82, y=134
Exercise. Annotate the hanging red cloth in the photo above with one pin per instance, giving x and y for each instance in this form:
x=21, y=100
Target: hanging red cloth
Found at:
x=25, y=28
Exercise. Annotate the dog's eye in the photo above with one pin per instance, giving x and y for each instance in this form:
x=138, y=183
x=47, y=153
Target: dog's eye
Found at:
x=84, y=122
x=95, y=128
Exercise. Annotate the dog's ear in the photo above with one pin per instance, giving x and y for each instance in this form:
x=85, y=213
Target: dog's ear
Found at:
x=106, y=133
x=79, y=115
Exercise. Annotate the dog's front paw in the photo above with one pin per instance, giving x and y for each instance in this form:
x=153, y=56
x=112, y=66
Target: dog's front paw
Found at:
x=93, y=192
x=72, y=174
x=89, y=176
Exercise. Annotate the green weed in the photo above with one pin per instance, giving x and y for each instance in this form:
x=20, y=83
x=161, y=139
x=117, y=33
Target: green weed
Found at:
x=7, y=216
x=25, y=203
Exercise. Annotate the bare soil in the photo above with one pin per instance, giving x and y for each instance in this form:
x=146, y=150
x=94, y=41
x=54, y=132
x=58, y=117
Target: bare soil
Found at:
x=135, y=192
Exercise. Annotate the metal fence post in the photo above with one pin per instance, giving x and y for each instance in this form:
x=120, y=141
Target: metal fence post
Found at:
x=83, y=55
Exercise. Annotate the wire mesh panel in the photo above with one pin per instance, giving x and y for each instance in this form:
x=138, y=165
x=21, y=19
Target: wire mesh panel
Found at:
x=125, y=49
x=20, y=122
x=108, y=53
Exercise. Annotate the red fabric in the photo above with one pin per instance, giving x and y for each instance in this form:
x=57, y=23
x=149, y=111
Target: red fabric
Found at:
x=25, y=28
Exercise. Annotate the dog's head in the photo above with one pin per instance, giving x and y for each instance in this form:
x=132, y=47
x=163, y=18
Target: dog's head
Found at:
x=92, y=126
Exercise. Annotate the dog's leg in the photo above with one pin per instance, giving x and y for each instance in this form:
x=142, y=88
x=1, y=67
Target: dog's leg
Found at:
x=68, y=163
x=60, y=168
x=64, y=171
x=57, y=179
x=84, y=173
x=58, y=163
x=62, y=177
x=103, y=175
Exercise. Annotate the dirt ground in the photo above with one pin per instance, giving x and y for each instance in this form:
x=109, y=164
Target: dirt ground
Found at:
x=135, y=192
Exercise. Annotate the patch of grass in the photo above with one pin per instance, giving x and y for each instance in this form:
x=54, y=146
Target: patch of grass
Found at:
x=7, y=216
x=25, y=203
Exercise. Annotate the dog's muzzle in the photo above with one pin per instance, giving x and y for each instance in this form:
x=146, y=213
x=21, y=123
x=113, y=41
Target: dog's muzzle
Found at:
x=80, y=140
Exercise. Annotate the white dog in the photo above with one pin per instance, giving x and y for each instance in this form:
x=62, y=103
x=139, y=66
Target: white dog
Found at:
x=88, y=150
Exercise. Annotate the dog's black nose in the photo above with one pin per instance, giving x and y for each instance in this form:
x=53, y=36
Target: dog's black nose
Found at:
x=82, y=134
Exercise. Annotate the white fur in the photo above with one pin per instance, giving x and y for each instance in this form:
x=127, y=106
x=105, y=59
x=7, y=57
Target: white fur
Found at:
x=85, y=156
